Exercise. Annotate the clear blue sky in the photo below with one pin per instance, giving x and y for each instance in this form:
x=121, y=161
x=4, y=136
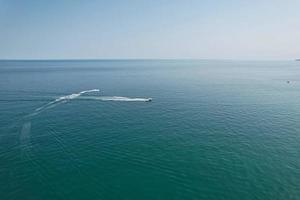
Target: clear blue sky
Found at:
x=209, y=29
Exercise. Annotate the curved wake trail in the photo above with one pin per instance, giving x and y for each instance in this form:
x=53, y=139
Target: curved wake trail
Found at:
x=25, y=138
x=26, y=128
x=115, y=98
x=63, y=99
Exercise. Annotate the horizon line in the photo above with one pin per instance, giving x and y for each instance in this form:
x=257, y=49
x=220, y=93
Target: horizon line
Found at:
x=140, y=59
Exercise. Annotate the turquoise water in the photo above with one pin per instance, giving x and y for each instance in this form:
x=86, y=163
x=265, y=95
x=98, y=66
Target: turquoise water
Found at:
x=214, y=130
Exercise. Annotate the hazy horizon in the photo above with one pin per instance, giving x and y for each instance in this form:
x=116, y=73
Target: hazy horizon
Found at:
x=68, y=30
x=141, y=59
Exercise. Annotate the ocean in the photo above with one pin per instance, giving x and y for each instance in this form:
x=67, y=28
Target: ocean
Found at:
x=149, y=129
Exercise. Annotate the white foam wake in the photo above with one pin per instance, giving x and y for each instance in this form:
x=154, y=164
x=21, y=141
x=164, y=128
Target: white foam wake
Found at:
x=115, y=98
x=75, y=95
x=64, y=99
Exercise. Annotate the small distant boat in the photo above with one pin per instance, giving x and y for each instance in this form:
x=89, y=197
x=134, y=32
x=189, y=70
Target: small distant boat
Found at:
x=297, y=59
x=149, y=99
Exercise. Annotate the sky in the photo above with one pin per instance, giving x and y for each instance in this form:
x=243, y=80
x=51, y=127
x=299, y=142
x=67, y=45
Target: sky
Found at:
x=145, y=29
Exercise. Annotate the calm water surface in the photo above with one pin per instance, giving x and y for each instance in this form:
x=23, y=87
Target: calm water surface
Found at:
x=214, y=130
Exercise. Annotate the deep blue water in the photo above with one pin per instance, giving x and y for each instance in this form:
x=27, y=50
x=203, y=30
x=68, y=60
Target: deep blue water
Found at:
x=214, y=130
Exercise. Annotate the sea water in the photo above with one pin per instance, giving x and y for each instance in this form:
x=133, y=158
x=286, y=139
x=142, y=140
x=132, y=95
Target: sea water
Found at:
x=86, y=129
